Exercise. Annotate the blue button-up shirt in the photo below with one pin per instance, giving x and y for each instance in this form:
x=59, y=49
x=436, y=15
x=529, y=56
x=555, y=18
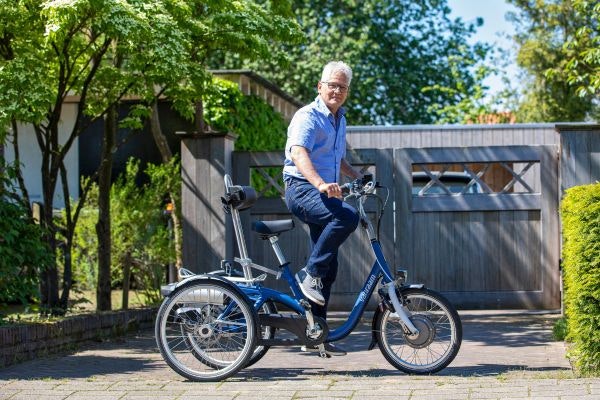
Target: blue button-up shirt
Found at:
x=315, y=128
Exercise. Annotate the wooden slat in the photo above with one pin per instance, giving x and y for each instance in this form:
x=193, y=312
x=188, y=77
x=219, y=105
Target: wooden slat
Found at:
x=474, y=154
x=404, y=217
x=477, y=202
x=550, y=230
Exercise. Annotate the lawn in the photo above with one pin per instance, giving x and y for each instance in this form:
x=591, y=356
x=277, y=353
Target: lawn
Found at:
x=80, y=303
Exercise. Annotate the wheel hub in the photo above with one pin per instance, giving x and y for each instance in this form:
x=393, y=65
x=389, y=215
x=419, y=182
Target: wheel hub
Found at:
x=204, y=331
x=426, y=333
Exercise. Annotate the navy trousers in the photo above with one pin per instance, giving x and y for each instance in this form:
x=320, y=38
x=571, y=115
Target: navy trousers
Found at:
x=330, y=222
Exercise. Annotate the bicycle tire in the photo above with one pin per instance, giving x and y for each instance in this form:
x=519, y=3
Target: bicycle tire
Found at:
x=206, y=330
x=266, y=332
x=438, y=340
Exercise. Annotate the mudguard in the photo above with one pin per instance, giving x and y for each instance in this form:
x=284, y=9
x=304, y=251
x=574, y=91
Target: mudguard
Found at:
x=168, y=290
x=383, y=305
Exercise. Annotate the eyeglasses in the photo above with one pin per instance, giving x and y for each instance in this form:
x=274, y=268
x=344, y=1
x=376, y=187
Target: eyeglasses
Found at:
x=334, y=86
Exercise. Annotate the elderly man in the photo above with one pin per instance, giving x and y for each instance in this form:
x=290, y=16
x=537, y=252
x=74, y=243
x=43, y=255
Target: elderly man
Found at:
x=314, y=159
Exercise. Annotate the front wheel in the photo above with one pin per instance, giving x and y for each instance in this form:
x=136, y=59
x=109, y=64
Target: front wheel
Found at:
x=206, y=330
x=438, y=340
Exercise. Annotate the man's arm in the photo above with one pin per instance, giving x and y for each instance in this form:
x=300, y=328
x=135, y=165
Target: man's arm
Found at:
x=302, y=161
x=349, y=170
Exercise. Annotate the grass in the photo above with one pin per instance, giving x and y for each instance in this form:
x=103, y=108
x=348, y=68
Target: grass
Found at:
x=559, y=330
x=83, y=302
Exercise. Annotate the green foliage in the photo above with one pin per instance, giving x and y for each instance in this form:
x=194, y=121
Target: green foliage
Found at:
x=257, y=125
x=85, y=243
x=106, y=51
x=395, y=47
x=138, y=228
x=547, y=50
x=583, y=66
x=559, y=330
x=581, y=260
x=23, y=252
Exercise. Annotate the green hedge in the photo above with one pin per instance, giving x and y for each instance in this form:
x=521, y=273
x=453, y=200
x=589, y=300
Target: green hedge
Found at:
x=581, y=263
x=23, y=251
x=258, y=126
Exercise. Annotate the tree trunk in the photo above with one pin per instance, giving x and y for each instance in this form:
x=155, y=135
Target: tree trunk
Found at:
x=103, y=225
x=20, y=179
x=49, y=276
x=127, y=262
x=67, y=246
x=157, y=134
x=199, y=118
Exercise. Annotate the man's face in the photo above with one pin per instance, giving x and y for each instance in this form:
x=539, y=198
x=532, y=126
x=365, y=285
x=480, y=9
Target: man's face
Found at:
x=334, y=91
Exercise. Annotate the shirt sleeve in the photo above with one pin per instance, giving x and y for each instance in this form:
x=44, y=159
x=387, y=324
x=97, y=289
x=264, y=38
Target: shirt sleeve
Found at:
x=301, y=131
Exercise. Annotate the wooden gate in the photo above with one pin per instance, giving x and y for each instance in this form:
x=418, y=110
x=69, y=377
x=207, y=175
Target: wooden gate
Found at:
x=496, y=248
x=493, y=247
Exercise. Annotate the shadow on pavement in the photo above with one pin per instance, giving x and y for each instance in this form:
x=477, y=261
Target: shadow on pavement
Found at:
x=503, y=338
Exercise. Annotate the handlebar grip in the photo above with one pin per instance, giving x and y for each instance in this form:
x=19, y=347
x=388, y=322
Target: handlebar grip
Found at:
x=345, y=188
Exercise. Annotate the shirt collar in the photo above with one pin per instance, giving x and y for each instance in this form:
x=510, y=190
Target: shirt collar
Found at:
x=323, y=108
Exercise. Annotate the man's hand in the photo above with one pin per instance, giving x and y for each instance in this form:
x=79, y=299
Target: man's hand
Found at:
x=330, y=189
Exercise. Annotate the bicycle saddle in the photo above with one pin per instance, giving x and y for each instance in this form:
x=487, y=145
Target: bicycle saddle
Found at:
x=272, y=228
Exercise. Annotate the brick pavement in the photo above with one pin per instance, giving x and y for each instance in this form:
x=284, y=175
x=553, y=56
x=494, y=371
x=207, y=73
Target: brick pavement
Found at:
x=505, y=355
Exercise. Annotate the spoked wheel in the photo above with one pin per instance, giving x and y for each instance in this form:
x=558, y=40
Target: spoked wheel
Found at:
x=206, y=330
x=438, y=340
x=266, y=332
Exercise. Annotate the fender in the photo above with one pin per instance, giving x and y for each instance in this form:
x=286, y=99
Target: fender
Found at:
x=386, y=304
x=168, y=290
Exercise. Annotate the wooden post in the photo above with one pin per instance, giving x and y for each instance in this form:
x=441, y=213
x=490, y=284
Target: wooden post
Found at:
x=580, y=154
x=205, y=159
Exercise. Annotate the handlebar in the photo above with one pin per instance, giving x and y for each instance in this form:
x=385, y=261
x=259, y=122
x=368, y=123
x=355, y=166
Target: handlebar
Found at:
x=359, y=187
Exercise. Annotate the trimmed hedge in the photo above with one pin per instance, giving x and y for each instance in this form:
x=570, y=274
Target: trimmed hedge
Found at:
x=581, y=263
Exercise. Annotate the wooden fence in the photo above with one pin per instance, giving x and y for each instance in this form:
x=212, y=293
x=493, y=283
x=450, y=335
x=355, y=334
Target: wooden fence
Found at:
x=498, y=248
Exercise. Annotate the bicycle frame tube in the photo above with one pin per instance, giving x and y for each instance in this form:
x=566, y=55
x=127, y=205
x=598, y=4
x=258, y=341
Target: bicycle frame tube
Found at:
x=260, y=294
x=380, y=270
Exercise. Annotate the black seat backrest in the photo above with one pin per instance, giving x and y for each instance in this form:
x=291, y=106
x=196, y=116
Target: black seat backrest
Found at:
x=241, y=197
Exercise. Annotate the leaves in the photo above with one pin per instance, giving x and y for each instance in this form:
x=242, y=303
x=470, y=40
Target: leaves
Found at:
x=395, y=47
x=553, y=38
x=23, y=252
x=580, y=211
x=107, y=51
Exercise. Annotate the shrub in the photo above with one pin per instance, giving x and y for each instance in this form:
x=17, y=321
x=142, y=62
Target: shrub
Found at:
x=581, y=258
x=258, y=126
x=23, y=251
x=141, y=244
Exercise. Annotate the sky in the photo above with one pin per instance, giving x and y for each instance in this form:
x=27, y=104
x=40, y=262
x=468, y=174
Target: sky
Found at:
x=493, y=13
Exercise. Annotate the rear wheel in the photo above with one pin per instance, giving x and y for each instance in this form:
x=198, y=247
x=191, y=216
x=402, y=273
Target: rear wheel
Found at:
x=266, y=332
x=206, y=330
x=438, y=340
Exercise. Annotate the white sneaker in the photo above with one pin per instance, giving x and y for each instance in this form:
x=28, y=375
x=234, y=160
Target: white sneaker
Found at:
x=311, y=287
x=330, y=349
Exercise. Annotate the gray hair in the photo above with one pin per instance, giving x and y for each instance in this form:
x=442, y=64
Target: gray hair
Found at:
x=336, y=66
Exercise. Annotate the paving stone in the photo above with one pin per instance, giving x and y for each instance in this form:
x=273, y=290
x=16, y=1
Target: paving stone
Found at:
x=505, y=355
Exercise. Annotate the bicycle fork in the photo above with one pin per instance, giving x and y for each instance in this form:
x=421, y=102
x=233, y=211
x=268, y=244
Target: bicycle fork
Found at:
x=399, y=309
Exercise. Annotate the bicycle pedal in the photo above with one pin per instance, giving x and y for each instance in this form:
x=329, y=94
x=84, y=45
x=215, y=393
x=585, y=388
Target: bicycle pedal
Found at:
x=322, y=352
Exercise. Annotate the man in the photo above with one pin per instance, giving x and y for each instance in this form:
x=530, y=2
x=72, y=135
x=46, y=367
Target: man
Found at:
x=314, y=159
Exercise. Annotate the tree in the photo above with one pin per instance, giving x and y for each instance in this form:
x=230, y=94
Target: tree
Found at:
x=55, y=49
x=583, y=67
x=102, y=52
x=245, y=29
x=396, y=49
x=543, y=28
